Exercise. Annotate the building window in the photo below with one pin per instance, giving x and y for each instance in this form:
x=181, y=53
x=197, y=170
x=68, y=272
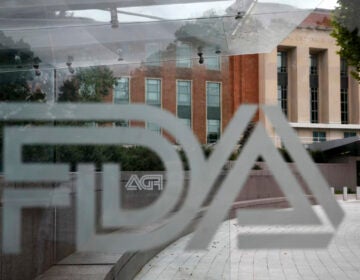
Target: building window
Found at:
x=213, y=111
x=314, y=105
x=282, y=82
x=183, y=56
x=153, y=92
x=212, y=62
x=152, y=54
x=213, y=130
x=282, y=62
x=213, y=94
x=153, y=97
x=344, y=106
x=122, y=123
x=183, y=89
x=122, y=96
x=153, y=127
x=121, y=91
x=319, y=136
x=314, y=88
x=314, y=63
x=343, y=68
x=348, y=134
x=282, y=98
x=344, y=92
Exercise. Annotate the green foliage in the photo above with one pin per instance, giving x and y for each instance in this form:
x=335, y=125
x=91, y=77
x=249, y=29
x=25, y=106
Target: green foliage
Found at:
x=16, y=60
x=346, y=25
x=131, y=158
x=90, y=84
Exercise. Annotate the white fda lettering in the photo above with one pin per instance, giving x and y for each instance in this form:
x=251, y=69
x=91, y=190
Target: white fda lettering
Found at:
x=203, y=174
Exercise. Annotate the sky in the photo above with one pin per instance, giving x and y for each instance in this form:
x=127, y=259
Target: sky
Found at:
x=192, y=10
x=328, y=4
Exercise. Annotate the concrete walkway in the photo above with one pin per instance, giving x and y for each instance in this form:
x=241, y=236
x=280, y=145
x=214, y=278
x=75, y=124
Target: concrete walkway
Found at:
x=223, y=260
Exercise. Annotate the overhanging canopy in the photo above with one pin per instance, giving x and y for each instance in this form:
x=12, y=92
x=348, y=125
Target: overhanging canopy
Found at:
x=94, y=32
x=346, y=146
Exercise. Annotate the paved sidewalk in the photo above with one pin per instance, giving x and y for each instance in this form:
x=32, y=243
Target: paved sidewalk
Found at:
x=223, y=260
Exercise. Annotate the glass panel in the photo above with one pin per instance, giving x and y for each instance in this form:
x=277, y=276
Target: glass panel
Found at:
x=213, y=94
x=213, y=130
x=314, y=64
x=348, y=134
x=319, y=136
x=91, y=32
x=184, y=93
x=282, y=98
x=344, y=106
x=186, y=122
x=183, y=56
x=153, y=55
x=153, y=92
x=89, y=178
x=282, y=62
x=121, y=91
x=212, y=62
x=154, y=127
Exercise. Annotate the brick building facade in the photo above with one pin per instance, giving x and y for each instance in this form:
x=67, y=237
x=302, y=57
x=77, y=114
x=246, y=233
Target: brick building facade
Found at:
x=216, y=89
x=304, y=75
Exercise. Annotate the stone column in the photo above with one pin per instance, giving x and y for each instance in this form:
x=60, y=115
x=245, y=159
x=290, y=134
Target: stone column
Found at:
x=331, y=88
x=300, y=86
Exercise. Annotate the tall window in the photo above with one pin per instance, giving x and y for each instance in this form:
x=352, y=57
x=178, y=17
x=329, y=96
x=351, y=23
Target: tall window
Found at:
x=183, y=56
x=152, y=54
x=282, y=62
x=212, y=62
x=213, y=111
x=314, y=63
x=183, y=89
x=314, y=105
x=319, y=136
x=153, y=92
x=344, y=92
x=282, y=74
x=153, y=97
x=122, y=96
x=314, y=88
x=121, y=91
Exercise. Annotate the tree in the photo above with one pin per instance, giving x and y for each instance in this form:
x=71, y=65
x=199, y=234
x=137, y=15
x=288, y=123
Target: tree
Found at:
x=16, y=71
x=346, y=23
x=90, y=84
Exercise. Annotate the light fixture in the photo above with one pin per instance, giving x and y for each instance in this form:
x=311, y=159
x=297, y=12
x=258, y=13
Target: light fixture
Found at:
x=200, y=54
x=36, y=66
x=218, y=51
x=114, y=17
x=69, y=62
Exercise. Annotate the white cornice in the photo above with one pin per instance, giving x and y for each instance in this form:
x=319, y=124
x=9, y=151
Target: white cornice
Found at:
x=326, y=126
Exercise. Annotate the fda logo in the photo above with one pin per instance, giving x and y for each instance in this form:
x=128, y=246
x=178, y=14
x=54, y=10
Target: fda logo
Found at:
x=147, y=183
x=203, y=172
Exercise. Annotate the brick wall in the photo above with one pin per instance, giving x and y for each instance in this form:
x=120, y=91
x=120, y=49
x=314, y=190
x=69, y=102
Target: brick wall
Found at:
x=169, y=73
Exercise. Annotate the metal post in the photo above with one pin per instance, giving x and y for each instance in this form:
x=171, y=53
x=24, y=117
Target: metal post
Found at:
x=345, y=193
x=332, y=189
